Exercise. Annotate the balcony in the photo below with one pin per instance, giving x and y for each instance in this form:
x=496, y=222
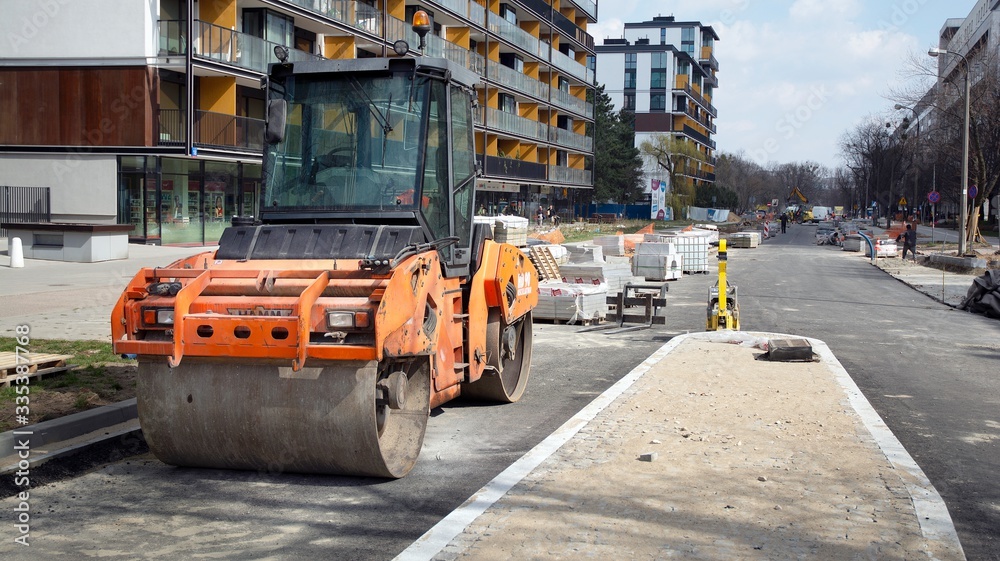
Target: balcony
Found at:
x=515, y=124
x=172, y=127
x=588, y=6
x=510, y=168
x=514, y=80
x=517, y=36
x=239, y=49
x=228, y=131
x=355, y=14
x=708, y=58
x=571, y=139
x=570, y=28
x=570, y=102
x=688, y=130
x=464, y=8
x=439, y=47
x=683, y=86
x=572, y=176
x=703, y=121
x=172, y=41
x=572, y=67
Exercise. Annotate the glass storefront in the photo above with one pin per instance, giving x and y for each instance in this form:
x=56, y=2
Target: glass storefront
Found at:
x=183, y=201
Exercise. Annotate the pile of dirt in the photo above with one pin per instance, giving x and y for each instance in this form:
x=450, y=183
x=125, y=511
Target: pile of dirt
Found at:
x=72, y=391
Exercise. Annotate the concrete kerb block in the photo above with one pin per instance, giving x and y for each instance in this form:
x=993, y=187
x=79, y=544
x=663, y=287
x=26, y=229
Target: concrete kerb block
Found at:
x=72, y=426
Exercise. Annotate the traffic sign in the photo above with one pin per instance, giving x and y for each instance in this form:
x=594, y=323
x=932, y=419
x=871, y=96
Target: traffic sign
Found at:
x=973, y=191
x=902, y=201
x=934, y=197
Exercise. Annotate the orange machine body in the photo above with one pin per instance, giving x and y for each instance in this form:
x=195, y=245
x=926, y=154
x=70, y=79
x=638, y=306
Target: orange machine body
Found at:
x=308, y=312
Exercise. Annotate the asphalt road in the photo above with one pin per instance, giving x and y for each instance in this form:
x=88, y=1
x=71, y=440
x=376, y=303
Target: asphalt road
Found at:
x=927, y=369
x=140, y=508
x=930, y=371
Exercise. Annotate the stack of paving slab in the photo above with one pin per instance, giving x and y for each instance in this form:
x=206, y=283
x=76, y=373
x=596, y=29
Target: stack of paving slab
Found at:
x=571, y=303
x=611, y=245
x=657, y=261
x=614, y=273
x=746, y=239
x=853, y=242
x=511, y=229
x=585, y=253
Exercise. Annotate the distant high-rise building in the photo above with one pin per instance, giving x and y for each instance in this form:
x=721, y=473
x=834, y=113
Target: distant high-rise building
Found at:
x=664, y=71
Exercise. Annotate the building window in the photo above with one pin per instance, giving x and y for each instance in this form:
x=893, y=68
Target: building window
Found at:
x=630, y=59
x=629, y=102
x=687, y=40
x=707, y=40
x=708, y=91
x=592, y=63
x=663, y=35
x=683, y=68
x=630, y=79
x=659, y=60
x=270, y=26
x=507, y=103
x=658, y=102
x=563, y=84
x=510, y=60
x=508, y=13
x=658, y=79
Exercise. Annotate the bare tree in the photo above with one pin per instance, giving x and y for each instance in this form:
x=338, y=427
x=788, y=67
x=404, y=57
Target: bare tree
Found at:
x=679, y=158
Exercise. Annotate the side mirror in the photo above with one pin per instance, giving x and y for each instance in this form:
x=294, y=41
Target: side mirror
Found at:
x=277, y=111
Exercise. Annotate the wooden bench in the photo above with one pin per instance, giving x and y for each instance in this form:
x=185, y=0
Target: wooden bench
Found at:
x=80, y=243
x=602, y=217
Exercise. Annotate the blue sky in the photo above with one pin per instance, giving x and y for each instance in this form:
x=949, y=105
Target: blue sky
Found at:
x=796, y=74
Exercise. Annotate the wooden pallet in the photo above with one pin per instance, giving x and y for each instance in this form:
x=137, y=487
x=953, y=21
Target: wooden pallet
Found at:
x=547, y=267
x=38, y=365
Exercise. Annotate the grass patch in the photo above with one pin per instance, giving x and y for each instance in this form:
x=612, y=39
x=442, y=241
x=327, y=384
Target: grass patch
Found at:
x=583, y=231
x=85, y=353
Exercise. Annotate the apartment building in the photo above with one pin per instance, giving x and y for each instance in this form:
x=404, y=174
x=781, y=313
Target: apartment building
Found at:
x=664, y=71
x=150, y=112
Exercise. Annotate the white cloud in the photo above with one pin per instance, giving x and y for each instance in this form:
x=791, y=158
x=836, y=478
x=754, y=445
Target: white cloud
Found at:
x=824, y=10
x=611, y=28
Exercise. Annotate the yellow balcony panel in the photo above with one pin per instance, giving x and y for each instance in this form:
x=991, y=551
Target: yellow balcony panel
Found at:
x=339, y=47
x=396, y=8
x=220, y=12
x=217, y=94
x=458, y=36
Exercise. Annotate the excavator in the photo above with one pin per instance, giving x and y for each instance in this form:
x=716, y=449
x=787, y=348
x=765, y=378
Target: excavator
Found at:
x=800, y=213
x=320, y=334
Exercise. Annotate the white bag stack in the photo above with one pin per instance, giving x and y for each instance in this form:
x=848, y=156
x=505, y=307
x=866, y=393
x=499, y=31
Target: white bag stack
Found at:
x=693, y=248
x=571, y=303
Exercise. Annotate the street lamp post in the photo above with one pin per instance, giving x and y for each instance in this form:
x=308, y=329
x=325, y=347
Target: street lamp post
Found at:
x=963, y=214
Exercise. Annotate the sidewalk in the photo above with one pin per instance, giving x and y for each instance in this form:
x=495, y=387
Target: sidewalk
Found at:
x=62, y=300
x=753, y=460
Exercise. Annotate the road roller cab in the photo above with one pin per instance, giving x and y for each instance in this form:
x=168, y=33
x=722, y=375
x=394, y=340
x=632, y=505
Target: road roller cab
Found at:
x=322, y=331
